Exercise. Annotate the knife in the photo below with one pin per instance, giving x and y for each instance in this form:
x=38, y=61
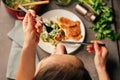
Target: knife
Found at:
x=82, y=43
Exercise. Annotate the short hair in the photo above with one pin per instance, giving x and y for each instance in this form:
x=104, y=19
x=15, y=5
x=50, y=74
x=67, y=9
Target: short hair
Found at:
x=60, y=72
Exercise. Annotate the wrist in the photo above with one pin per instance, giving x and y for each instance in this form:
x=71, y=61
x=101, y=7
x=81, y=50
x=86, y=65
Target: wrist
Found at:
x=100, y=65
x=29, y=45
x=101, y=69
x=102, y=73
x=29, y=49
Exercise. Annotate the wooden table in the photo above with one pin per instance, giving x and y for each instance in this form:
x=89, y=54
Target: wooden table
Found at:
x=116, y=8
x=7, y=23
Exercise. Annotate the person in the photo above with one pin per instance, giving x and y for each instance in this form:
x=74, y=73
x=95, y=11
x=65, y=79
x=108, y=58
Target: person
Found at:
x=59, y=65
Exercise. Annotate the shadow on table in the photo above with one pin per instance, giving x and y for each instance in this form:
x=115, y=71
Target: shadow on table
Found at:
x=113, y=70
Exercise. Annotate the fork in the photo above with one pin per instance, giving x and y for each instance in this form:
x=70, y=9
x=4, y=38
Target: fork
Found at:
x=48, y=28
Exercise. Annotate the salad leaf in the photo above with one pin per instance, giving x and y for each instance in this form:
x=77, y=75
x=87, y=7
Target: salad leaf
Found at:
x=49, y=37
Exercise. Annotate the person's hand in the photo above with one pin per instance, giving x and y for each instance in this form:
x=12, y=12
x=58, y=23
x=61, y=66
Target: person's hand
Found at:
x=100, y=54
x=31, y=29
x=60, y=49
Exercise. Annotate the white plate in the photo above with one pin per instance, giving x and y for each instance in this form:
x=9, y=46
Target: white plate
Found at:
x=53, y=14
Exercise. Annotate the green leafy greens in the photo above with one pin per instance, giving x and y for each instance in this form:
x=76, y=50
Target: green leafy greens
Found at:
x=49, y=37
x=11, y=3
x=103, y=22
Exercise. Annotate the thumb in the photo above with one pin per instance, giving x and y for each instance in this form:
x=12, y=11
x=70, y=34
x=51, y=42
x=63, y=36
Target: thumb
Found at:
x=60, y=49
x=30, y=21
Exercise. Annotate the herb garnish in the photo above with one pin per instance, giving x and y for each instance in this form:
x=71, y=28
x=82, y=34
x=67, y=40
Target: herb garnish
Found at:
x=104, y=20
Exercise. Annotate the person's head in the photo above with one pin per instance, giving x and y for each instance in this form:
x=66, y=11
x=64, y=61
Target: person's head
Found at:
x=60, y=66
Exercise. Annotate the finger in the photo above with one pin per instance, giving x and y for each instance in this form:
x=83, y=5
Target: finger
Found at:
x=96, y=47
x=38, y=26
x=30, y=21
x=32, y=12
x=98, y=41
x=104, y=49
x=25, y=20
x=37, y=38
x=38, y=34
x=38, y=30
x=60, y=49
x=90, y=48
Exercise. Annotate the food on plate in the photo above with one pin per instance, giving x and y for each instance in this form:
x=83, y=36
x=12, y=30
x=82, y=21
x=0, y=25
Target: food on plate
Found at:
x=49, y=37
x=59, y=37
x=71, y=28
x=63, y=29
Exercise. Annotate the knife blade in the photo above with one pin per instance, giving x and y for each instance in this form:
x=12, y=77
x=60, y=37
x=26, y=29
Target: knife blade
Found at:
x=82, y=43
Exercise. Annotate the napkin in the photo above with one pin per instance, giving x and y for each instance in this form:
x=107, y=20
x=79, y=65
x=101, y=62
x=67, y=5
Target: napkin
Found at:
x=17, y=37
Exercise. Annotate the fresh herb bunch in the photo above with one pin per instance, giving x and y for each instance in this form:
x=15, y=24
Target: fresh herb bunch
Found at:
x=103, y=22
